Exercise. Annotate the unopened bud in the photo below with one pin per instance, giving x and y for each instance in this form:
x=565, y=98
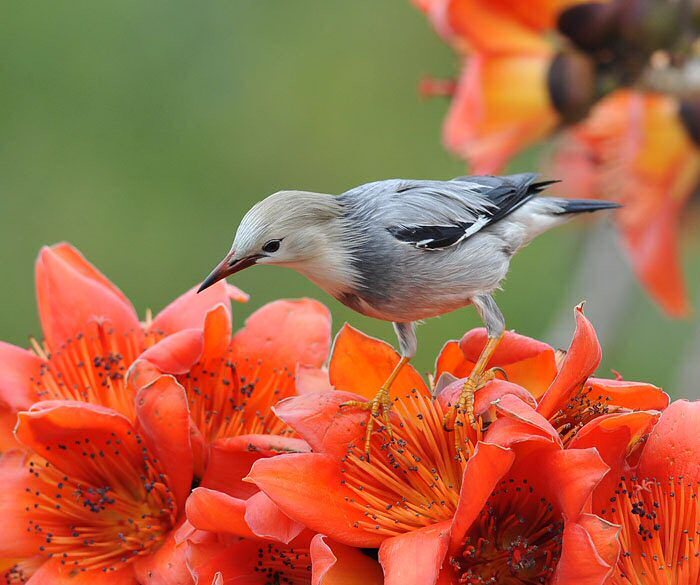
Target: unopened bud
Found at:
x=591, y=26
x=572, y=85
x=689, y=113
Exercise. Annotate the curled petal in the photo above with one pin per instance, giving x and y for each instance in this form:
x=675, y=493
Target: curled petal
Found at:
x=266, y=520
x=164, y=421
x=337, y=564
x=415, y=558
x=361, y=364
x=321, y=421
x=582, y=359
x=589, y=552
x=484, y=470
x=72, y=293
x=633, y=395
x=216, y=511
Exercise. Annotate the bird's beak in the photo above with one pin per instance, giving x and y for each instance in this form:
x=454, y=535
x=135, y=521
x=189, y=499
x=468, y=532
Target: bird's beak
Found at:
x=228, y=266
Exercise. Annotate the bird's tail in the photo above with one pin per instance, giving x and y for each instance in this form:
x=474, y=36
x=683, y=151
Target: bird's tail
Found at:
x=568, y=206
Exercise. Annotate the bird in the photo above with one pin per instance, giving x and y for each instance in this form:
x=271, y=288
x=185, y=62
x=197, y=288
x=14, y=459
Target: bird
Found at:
x=406, y=250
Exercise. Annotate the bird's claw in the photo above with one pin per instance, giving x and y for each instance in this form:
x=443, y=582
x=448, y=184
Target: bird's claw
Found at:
x=465, y=402
x=382, y=401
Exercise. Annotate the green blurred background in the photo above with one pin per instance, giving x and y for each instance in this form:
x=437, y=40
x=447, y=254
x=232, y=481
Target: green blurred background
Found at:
x=141, y=132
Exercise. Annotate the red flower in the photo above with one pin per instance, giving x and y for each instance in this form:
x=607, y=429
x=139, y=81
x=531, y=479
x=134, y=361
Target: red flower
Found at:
x=98, y=494
x=231, y=384
x=411, y=499
x=634, y=149
x=652, y=491
x=575, y=398
x=92, y=336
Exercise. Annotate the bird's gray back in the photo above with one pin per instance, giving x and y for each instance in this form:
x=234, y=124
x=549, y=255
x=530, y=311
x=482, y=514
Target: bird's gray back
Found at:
x=402, y=282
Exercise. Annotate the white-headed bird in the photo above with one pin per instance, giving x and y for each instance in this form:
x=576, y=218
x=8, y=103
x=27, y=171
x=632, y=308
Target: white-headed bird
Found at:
x=404, y=250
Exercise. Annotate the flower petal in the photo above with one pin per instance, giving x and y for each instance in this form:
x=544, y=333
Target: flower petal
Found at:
x=633, y=395
x=527, y=362
x=19, y=369
x=164, y=422
x=580, y=561
x=529, y=423
x=16, y=540
x=312, y=380
x=483, y=471
x=674, y=444
x=216, y=563
x=492, y=27
x=189, y=310
x=415, y=558
x=175, y=355
x=230, y=460
x=338, y=564
x=319, y=419
x=361, y=364
x=166, y=566
x=52, y=428
x=266, y=520
x=582, y=359
x=52, y=572
x=216, y=511
x=488, y=123
x=72, y=293
x=308, y=488
x=283, y=334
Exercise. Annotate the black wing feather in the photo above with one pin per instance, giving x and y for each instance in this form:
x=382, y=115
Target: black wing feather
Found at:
x=505, y=193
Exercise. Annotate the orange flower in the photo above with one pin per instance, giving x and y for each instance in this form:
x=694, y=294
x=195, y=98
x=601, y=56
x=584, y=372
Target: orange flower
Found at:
x=652, y=491
x=413, y=494
x=634, y=149
x=232, y=384
x=489, y=121
x=95, y=493
x=92, y=336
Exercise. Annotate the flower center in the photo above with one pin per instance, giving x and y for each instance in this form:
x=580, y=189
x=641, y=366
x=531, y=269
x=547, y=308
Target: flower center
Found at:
x=413, y=480
x=91, y=367
x=225, y=403
x=660, y=535
x=582, y=408
x=280, y=565
x=120, y=509
x=515, y=540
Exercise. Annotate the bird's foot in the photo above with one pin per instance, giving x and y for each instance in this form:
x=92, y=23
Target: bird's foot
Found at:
x=465, y=402
x=381, y=402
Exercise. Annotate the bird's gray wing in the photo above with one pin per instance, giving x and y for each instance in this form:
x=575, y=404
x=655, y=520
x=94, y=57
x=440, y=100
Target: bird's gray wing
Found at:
x=434, y=215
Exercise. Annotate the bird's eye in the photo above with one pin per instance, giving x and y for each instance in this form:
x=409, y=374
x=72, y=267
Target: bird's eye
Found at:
x=271, y=247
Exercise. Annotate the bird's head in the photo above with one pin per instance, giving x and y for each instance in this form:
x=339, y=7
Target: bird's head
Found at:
x=287, y=228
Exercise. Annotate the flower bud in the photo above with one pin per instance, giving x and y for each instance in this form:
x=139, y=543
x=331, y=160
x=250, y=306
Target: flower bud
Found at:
x=689, y=113
x=591, y=26
x=572, y=85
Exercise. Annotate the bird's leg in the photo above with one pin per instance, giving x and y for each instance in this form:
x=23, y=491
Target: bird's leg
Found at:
x=408, y=343
x=381, y=401
x=479, y=377
x=495, y=326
